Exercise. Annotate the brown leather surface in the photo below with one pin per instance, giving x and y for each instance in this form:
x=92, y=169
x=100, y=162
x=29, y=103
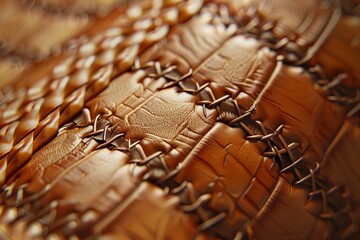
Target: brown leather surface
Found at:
x=27, y=35
x=183, y=120
x=335, y=60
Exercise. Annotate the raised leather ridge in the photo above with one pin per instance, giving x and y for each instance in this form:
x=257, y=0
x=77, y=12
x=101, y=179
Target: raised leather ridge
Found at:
x=186, y=120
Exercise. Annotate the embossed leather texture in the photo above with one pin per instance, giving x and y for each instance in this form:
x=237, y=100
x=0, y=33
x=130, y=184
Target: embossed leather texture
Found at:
x=177, y=119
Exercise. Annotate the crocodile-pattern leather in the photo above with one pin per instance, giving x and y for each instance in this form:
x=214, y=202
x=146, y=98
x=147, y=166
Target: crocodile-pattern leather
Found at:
x=183, y=120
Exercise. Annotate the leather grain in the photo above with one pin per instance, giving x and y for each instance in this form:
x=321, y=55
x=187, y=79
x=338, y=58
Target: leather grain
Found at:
x=183, y=120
